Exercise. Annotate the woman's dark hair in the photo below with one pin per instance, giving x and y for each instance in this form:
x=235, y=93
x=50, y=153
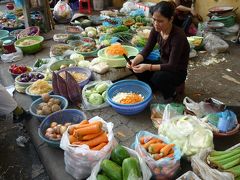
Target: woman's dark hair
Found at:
x=165, y=8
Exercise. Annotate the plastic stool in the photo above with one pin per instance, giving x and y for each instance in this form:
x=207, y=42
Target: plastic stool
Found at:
x=89, y=8
x=180, y=89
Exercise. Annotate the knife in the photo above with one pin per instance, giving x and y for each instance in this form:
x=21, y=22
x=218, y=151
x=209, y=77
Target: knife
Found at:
x=127, y=59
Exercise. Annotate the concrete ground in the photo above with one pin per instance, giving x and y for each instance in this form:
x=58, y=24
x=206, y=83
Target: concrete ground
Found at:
x=217, y=77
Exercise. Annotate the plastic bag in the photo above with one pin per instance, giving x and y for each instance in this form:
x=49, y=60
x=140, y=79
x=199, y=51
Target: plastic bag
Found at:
x=164, y=167
x=214, y=44
x=13, y=57
x=146, y=173
x=62, y=12
x=201, y=168
x=203, y=108
x=79, y=159
x=158, y=111
x=189, y=175
x=85, y=103
x=100, y=67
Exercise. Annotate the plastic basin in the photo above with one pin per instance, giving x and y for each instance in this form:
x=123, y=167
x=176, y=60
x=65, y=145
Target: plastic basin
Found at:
x=33, y=48
x=33, y=106
x=134, y=86
x=61, y=117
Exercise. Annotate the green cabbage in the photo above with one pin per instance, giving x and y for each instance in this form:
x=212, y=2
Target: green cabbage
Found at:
x=96, y=99
x=101, y=87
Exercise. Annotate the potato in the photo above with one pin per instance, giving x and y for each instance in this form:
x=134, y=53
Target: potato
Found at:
x=50, y=104
x=45, y=97
x=57, y=101
x=40, y=106
x=51, y=100
x=39, y=112
x=55, y=108
x=53, y=124
x=46, y=110
x=62, y=129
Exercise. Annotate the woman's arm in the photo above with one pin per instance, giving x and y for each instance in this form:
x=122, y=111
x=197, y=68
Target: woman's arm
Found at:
x=152, y=40
x=185, y=8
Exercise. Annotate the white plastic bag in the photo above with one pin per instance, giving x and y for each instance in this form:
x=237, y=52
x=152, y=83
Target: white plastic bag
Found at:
x=214, y=44
x=85, y=104
x=62, y=12
x=13, y=57
x=201, y=168
x=79, y=159
x=189, y=175
x=146, y=173
x=200, y=109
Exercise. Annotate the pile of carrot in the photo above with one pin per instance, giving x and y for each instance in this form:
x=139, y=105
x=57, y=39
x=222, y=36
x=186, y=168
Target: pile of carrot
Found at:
x=88, y=133
x=132, y=98
x=157, y=148
x=116, y=49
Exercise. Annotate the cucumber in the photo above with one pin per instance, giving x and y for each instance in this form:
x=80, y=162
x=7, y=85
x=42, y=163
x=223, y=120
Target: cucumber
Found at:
x=102, y=177
x=234, y=170
x=131, y=169
x=111, y=169
x=119, y=154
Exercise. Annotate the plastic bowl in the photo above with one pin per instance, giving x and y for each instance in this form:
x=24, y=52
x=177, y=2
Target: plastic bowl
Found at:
x=56, y=66
x=134, y=86
x=12, y=38
x=33, y=106
x=61, y=117
x=3, y=34
x=80, y=70
x=33, y=48
x=29, y=69
x=25, y=84
x=227, y=134
x=34, y=96
x=15, y=32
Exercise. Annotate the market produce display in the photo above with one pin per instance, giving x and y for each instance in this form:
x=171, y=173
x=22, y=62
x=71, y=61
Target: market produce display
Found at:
x=29, y=77
x=228, y=161
x=55, y=131
x=88, y=133
x=49, y=105
x=96, y=94
x=79, y=77
x=39, y=87
x=16, y=70
x=127, y=98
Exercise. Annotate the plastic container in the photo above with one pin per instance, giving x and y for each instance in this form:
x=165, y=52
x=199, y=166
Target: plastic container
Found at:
x=29, y=31
x=61, y=117
x=34, y=96
x=8, y=46
x=80, y=70
x=134, y=86
x=33, y=106
x=32, y=48
x=3, y=33
x=98, y=5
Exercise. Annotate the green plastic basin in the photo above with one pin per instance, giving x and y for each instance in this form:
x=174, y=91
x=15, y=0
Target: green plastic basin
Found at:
x=30, y=49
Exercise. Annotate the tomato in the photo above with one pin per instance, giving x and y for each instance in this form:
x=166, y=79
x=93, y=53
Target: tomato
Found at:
x=16, y=70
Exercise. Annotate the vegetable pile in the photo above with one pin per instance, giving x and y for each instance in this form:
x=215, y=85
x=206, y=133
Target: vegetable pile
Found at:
x=96, y=95
x=49, y=105
x=19, y=69
x=115, y=50
x=128, y=98
x=88, y=133
x=227, y=161
x=188, y=134
x=157, y=148
x=55, y=131
x=121, y=166
x=30, y=77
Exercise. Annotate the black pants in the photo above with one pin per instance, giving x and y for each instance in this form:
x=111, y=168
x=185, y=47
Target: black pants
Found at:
x=163, y=81
x=183, y=23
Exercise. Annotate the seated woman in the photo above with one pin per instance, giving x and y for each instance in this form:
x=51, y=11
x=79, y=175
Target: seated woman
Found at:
x=171, y=71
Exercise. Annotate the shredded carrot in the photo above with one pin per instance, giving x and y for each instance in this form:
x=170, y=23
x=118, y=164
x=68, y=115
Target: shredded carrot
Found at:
x=116, y=49
x=131, y=99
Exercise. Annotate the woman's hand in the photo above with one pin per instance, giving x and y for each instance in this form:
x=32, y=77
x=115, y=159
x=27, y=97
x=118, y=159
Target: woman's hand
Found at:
x=138, y=59
x=141, y=68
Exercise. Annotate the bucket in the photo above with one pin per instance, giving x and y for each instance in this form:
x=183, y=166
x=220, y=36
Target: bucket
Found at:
x=98, y=5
